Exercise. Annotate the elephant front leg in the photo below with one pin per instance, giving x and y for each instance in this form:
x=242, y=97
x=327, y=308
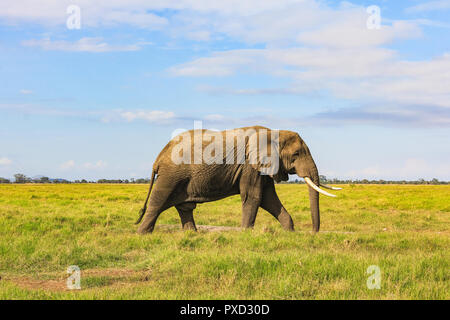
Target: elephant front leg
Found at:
x=249, y=212
x=186, y=212
x=271, y=203
x=251, y=193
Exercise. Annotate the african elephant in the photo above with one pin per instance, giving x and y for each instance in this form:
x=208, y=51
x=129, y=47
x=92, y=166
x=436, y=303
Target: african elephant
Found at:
x=193, y=169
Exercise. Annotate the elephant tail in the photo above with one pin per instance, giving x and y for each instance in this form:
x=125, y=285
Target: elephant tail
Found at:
x=142, y=212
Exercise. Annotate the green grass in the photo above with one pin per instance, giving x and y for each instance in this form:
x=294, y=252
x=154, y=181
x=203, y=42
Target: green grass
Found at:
x=405, y=230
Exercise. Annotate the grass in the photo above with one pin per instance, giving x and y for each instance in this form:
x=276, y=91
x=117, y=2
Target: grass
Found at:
x=405, y=230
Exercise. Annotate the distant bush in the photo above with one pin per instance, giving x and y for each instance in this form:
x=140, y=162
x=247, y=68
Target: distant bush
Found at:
x=112, y=181
x=3, y=180
x=325, y=180
x=21, y=178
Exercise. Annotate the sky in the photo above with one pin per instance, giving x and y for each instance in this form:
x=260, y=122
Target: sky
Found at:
x=97, y=90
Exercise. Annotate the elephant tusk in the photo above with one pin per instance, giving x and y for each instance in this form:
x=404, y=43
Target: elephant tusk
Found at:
x=312, y=185
x=330, y=187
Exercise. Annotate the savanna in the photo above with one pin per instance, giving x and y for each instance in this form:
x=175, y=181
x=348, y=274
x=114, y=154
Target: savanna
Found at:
x=404, y=230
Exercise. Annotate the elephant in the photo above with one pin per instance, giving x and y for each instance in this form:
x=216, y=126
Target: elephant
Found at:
x=202, y=165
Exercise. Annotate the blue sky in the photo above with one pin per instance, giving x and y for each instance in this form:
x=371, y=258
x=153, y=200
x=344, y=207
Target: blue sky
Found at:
x=101, y=101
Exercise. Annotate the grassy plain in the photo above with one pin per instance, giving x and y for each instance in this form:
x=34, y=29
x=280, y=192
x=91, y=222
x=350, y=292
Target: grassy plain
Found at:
x=405, y=230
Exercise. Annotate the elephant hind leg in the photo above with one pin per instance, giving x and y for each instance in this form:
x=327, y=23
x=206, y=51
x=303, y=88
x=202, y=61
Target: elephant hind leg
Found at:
x=185, y=210
x=149, y=222
x=161, y=199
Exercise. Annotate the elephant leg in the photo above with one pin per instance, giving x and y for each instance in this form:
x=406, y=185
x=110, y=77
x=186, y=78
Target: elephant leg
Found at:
x=251, y=192
x=271, y=203
x=249, y=212
x=160, y=200
x=185, y=210
x=149, y=222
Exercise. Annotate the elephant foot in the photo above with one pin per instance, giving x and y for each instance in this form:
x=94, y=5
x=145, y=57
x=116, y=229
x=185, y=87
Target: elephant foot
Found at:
x=286, y=222
x=289, y=228
x=189, y=226
x=144, y=230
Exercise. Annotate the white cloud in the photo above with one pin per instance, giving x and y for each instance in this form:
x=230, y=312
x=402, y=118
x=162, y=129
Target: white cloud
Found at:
x=430, y=6
x=253, y=21
x=219, y=64
x=105, y=116
x=431, y=23
x=67, y=165
x=150, y=116
x=386, y=115
x=317, y=47
x=35, y=109
x=55, y=11
x=367, y=74
x=25, y=91
x=199, y=35
x=93, y=14
x=352, y=33
x=5, y=161
x=214, y=117
x=139, y=18
x=82, y=45
x=321, y=49
x=410, y=169
x=97, y=165
x=100, y=164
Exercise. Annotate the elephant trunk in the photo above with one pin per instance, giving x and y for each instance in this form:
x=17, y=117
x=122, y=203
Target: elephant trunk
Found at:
x=310, y=173
x=314, y=202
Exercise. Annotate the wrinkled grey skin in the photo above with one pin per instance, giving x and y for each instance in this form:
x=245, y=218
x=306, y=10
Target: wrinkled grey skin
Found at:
x=185, y=185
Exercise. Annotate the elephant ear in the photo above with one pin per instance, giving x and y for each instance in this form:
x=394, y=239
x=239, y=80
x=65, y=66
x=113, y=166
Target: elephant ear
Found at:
x=284, y=138
x=282, y=175
x=263, y=150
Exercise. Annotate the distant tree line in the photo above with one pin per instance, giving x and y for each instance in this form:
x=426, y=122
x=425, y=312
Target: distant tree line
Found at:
x=326, y=180
x=141, y=180
x=21, y=178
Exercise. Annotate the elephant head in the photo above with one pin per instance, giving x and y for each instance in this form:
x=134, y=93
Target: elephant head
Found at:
x=295, y=158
